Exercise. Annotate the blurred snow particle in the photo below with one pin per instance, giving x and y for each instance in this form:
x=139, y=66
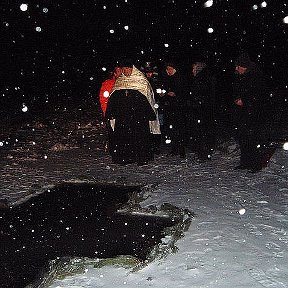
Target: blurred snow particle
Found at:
x=242, y=211
x=285, y=146
x=38, y=29
x=264, y=4
x=126, y=27
x=45, y=10
x=111, y=31
x=208, y=3
x=1, y=143
x=166, y=45
x=255, y=7
x=104, y=69
x=156, y=106
x=167, y=141
x=23, y=7
x=106, y=94
x=285, y=20
x=24, y=108
x=210, y=30
x=45, y=157
x=104, y=7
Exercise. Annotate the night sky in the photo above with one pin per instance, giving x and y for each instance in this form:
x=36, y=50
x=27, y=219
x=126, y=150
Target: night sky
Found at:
x=60, y=49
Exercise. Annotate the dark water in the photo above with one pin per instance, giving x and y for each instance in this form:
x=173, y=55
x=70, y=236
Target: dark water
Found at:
x=72, y=220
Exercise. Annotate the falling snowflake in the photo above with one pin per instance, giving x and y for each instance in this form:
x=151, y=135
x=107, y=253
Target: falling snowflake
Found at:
x=242, y=211
x=208, y=3
x=24, y=108
x=24, y=7
x=264, y=4
x=210, y=30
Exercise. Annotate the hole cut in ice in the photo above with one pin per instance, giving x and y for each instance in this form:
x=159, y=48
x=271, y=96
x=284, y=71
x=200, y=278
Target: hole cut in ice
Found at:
x=73, y=220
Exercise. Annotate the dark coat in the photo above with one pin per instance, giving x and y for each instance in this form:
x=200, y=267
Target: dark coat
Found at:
x=251, y=119
x=251, y=88
x=201, y=99
x=130, y=140
x=174, y=108
x=201, y=114
x=177, y=84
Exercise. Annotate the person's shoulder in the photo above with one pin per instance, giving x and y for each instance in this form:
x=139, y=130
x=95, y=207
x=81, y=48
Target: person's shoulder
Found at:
x=108, y=81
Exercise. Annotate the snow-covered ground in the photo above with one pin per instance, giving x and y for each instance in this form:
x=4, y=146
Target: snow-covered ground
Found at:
x=238, y=238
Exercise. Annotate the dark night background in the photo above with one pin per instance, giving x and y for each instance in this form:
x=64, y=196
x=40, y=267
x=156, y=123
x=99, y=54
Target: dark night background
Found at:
x=63, y=62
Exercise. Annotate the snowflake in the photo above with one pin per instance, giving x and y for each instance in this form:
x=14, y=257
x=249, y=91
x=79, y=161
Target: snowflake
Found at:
x=24, y=7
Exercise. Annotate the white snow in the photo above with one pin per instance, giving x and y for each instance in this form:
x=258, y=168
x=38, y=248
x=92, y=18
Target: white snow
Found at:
x=238, y=238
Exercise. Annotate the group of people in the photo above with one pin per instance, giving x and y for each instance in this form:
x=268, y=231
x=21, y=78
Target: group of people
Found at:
x=142, y=111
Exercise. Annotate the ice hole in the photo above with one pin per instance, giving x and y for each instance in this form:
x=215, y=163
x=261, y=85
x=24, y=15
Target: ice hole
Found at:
x=73, y=220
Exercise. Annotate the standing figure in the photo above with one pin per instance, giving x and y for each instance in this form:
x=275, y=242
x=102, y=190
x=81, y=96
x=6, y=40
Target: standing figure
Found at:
x=104, y=95
x=174, y=105
x=201, y=111
x=132, y=117
x=250, y=97
x=150, y=72
x=106, y=88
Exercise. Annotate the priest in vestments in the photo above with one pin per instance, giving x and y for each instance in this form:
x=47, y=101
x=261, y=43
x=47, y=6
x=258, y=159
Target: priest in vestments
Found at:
x=132, y=116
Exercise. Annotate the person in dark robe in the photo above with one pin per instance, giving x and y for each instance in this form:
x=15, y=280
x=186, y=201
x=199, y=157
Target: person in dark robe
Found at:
x=149, y=71
x=201, y=111
x=174, y=105
x=249, y=114
x=132, y=117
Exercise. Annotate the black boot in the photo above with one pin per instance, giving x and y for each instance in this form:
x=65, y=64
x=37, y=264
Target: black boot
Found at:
x=182, y=152
x=241, y=167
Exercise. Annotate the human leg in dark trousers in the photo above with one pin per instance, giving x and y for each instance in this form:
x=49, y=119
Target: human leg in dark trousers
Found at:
x=156, y=143
x=250, y=157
